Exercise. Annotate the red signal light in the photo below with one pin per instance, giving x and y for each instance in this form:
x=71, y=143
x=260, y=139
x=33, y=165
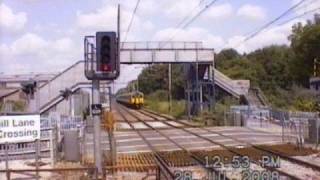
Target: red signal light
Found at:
x=105, y=67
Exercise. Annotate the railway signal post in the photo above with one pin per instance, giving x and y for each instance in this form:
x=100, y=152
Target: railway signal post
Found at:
x=101, y=63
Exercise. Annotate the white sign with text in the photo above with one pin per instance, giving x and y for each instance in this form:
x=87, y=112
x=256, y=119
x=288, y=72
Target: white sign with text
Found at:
x=19, y=128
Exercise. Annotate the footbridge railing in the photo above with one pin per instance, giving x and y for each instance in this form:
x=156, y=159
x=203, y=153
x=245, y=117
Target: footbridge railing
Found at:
x=234, y=87
x=64, y=80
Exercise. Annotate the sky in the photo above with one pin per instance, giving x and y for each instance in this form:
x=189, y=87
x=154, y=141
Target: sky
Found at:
x=47, y=35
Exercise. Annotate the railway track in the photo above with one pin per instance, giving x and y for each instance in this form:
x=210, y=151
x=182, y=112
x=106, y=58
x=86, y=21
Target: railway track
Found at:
x=256, y=148
x=187, y=154
x=232, y=150
x=261, y=148
x=164, y=167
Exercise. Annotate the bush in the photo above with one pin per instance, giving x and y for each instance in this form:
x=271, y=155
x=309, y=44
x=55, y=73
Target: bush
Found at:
x=158, y=102
x=159, y=95
x=296, y=99
x=177, y=110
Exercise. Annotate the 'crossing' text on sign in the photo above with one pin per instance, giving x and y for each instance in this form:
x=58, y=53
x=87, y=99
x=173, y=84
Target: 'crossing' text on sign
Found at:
x=19, y=128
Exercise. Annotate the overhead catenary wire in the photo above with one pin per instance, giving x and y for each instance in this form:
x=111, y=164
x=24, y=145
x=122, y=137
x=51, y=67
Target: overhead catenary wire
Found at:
x=306, y=4
x=265, y=26
x=191, y=19
x=200, y=2
x=188, y=16
x=274, y=20
x=131, y=21
x=184, y=20
x=199, y=13
x=296, y=9
x=299, y=16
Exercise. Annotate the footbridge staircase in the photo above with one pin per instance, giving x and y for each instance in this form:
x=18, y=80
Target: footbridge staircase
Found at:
x=202, y=82
x=236, y=88
x=256, y=97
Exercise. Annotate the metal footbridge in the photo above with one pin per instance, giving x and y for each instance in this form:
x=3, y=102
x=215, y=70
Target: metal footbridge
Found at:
x=72, y=78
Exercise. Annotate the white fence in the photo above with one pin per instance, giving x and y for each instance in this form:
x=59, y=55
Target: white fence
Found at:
x=292, y=125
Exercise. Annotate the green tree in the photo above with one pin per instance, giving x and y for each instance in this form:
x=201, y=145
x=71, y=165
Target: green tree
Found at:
x=225, y=55
x=273, y=66
x=266, y=68
x=305, y=42
x=155, y=78
x=270, y=69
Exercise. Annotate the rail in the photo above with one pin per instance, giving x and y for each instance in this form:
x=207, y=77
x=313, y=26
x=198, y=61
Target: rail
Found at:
x=190, y=154
x=295, y=161
x=9, y=172
x=159, y=160
x=90, y=171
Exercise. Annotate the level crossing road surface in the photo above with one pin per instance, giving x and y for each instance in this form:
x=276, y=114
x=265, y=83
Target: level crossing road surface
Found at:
x=128, y=140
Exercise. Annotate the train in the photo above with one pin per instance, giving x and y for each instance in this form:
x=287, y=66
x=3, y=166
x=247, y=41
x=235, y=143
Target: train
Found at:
x=133, y=99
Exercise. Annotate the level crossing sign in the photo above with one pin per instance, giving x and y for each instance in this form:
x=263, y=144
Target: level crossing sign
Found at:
x=19, y=128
